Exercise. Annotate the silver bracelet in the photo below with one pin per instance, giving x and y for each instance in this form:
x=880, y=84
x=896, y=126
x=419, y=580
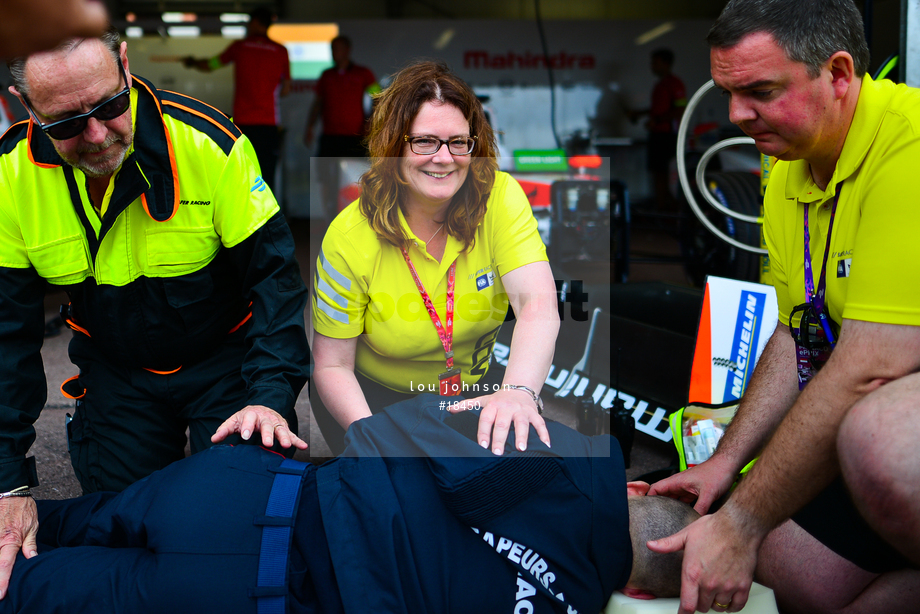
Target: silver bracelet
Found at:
x=536, y=397
x=22, y=491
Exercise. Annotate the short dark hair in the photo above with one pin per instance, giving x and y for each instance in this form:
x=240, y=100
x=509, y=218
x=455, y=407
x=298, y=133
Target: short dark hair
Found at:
x=808, y=31
x=665, y=55
x=653, y=518
x=17, y=66
x=263, y=15
x=341, y=38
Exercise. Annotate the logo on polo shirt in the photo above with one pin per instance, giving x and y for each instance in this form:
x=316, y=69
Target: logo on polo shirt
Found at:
x=843, y=267
x=484, y=281
x=258, y=184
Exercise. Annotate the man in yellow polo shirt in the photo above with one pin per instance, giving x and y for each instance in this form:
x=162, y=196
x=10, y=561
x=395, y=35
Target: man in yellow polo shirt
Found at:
x=832, y=407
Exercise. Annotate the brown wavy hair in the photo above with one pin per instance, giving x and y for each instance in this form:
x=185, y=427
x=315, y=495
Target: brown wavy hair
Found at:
x=383, y=187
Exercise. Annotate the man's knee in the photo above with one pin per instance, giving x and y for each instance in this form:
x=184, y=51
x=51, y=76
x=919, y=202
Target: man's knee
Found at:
x=857, y=439
x=876, y=447
x=878, y=434
x=805, y=575
x=863, y=461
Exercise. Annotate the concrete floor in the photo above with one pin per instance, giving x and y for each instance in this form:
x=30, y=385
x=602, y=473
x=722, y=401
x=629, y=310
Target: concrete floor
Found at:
x=50, y=450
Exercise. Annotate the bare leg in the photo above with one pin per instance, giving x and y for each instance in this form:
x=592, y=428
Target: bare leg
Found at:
x=808, y=578
x=880, y=461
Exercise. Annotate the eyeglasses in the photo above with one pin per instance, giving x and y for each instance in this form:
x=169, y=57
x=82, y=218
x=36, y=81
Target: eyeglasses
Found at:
x=72, y=126
x=429, y=145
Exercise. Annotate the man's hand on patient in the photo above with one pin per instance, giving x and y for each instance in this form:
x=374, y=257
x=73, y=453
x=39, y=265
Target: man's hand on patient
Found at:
x=699, y=486
x=720, y=556
x=267, y=422
x=499, y=411
x=18, y=531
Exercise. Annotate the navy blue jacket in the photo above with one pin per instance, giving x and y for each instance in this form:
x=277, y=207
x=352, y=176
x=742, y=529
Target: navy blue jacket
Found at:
x=388, y=528
x=398, y=510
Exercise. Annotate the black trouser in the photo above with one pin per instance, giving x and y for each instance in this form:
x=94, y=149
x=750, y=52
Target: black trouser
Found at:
x=324, y=169
x=266, y=140
x=132, y=422
x=341, y=146
x=379, y=396
x=832, y=518
x=661, y=149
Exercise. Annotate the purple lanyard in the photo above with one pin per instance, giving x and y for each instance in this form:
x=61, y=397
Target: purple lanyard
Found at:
x=817, y=298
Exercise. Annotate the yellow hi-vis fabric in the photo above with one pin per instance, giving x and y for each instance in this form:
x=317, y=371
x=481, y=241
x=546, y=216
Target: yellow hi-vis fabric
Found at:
x=363, y=288
x=38, y=227
x=873, y=272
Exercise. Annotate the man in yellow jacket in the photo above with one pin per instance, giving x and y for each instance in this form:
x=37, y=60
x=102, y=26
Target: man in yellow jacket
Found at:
x=148, y=208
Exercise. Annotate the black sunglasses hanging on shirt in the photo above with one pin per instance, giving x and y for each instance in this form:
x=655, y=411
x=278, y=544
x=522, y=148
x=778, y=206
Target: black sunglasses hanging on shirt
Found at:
x=814, y=336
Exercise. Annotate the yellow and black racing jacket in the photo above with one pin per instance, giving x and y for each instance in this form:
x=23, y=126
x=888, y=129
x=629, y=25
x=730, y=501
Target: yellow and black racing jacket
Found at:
x=190, y=242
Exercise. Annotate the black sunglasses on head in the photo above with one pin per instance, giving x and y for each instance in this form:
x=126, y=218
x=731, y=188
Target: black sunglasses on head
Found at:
x=72, y=126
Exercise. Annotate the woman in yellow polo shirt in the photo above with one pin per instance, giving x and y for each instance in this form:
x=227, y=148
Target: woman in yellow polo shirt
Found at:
x=436, y=220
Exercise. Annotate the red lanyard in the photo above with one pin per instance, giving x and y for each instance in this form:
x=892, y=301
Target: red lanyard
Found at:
x=445, y=333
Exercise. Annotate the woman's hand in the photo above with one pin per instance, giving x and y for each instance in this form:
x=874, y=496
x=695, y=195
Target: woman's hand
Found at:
x=499, y=411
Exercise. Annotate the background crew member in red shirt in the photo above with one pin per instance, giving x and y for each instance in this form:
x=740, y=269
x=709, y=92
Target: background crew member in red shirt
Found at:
x=669, y=99
x=339, y=101
x=261, y=74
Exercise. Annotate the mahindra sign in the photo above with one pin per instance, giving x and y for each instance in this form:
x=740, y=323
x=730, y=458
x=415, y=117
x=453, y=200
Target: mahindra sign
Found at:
x=474, y=59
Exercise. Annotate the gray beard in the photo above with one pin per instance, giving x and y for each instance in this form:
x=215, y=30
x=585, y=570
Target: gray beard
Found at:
x=104, y=167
